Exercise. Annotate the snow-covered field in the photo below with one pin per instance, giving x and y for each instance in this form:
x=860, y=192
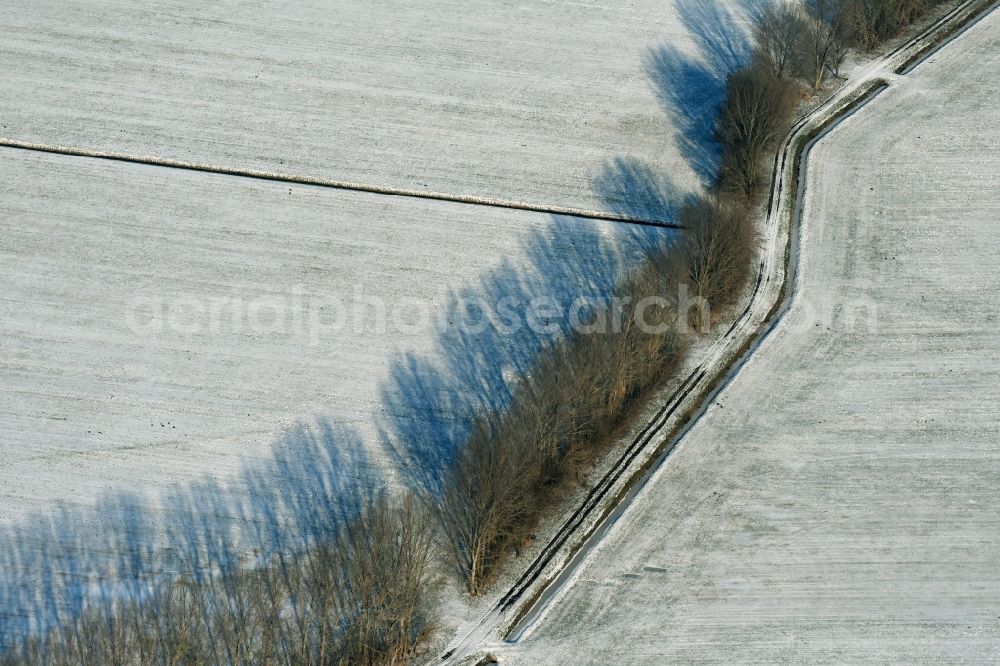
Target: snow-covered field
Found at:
x=173, y=333
x=516, y=100
x=167, y=346
x=839, y=501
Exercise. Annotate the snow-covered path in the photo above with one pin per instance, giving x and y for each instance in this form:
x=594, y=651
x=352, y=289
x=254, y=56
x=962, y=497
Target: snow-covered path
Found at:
x=837, y=502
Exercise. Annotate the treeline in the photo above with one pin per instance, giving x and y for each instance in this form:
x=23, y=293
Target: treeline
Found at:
x=874, y=21
x=363, y=597
x=583, y=388
x=563, y=414
x=811, y=39
x=367, y=595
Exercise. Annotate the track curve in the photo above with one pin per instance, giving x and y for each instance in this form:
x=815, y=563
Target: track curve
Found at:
x=553, y=569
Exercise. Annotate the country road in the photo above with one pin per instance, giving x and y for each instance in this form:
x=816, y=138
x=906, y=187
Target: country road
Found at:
x=519, y=609
x=218, y=262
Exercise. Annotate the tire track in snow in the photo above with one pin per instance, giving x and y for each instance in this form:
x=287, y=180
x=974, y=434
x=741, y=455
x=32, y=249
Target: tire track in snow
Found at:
x=798, y=143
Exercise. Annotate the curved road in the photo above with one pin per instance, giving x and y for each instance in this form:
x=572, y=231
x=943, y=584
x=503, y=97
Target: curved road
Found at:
x=554, y=568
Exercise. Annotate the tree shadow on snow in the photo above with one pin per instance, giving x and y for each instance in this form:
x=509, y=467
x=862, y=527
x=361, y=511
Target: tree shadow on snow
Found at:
x=429, y=402
x=691, y=87
x=317, y=475
x=55, y=564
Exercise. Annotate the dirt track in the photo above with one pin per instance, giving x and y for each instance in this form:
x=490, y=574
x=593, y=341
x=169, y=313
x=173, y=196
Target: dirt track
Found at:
x=836, y=502
x=603, y=506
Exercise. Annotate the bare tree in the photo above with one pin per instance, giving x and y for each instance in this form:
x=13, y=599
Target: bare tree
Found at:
x=384, y=561
x=546, y=406
x=826, y=38
x=752, y=119
x=717, y=250
x=778, y=33
x=489, y=498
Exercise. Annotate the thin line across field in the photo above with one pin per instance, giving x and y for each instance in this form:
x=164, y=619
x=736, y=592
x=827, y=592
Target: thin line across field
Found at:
x=539, y=605
x=330, y=183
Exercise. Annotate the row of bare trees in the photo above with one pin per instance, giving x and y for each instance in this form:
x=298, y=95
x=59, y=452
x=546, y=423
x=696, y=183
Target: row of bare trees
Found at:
x=793, y=42
x=562, y=414
x=364, y=597
x=874, y=21
x=811, y=39
x=583, y=387
x=808, y=41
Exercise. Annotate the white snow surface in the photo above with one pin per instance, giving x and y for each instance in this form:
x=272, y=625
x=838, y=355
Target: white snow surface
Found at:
x=838, y=504
x=505, y=99
x=212, y=346
x=170, y=370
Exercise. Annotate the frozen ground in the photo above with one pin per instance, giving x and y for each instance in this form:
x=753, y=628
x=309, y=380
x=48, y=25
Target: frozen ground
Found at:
x=839, y=502
x=514, y=100
x=160, y=353
x=214, y=346
x=164, y=324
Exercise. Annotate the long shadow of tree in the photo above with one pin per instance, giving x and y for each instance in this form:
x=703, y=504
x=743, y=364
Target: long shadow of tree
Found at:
x=54, y=565
x=633, y=188
x=691, y=89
